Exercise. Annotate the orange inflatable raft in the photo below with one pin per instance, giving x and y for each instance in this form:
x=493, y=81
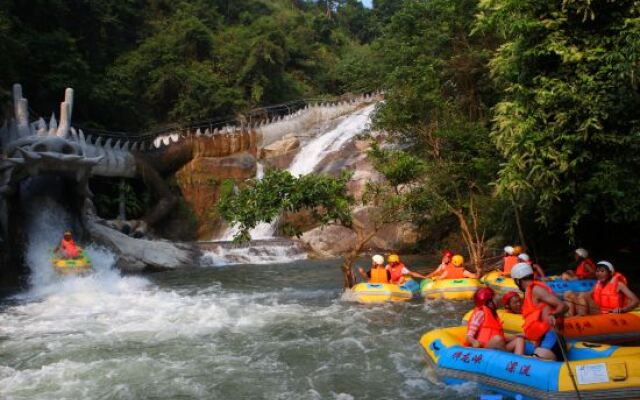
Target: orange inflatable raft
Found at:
x=602, y=328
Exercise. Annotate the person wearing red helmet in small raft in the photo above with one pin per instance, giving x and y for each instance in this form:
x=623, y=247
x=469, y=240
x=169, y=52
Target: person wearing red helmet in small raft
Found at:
x=484, y=328
x=453, y=269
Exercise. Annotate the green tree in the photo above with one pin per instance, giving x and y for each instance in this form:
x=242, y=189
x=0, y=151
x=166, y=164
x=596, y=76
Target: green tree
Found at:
x=566, y=121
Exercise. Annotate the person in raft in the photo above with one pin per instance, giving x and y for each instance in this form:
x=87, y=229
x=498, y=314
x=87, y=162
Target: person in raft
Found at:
x=537, y=270
x=484, y=328
x=610, y=295
x=377, y=273
x=444, y=264
x=509, y=260
x=512, y=302
x=67, y=248
x=586, y=268
x=455, y=270
x=540, y=309
x=397, y=270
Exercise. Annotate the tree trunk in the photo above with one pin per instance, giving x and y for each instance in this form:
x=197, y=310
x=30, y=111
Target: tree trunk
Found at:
x=347, y=265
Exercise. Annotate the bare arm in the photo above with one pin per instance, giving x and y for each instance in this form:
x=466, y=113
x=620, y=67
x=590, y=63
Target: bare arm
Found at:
x=543, y=296
x=363, y=274
x=417, y=275
x=438, y=271
x=468, y=274
x=633, y=299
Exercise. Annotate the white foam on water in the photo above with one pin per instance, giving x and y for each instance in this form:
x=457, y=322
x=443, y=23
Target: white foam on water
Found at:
x=263, y=253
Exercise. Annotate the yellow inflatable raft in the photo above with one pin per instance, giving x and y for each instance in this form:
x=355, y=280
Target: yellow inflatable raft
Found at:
x=72, y=266
x=603, y=328
x=383, y=292
x=601, y=371
x=453, y=289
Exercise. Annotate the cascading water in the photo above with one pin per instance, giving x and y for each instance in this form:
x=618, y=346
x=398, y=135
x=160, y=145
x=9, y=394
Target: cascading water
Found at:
x=306, y=161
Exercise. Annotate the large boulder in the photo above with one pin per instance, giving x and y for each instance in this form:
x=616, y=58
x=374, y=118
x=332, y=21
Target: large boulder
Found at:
x=329, y=241
x=137, y=255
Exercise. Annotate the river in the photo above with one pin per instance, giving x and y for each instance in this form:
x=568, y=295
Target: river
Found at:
x=275, y=331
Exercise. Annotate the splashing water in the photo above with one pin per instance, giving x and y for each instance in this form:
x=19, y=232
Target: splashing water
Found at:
x=274, y=331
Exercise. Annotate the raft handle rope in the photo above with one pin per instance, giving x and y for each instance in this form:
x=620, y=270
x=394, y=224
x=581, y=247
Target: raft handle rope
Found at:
x=562, y=344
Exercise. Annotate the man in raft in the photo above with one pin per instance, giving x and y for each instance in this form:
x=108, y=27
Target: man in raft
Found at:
x=540, y=309
x=378, y=273
x=510, y=259
x=586, y=268
x=610, y=294
x=397, y=270
x=67, y=248
x=455, y=270
x=484, y=328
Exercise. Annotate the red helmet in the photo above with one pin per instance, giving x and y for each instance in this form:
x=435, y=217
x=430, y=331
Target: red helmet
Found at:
x=447, y=253
x=508, y=296
x=482, y=296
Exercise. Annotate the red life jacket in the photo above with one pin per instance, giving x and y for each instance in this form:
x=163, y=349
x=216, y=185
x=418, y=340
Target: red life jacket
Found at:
x=69, y=248
x=395, y=270
x=509, y=262
x=581, y=270
x=607, y=296
x=378, y=275
x=491, y=325
x=453, y=272
x=534, y=327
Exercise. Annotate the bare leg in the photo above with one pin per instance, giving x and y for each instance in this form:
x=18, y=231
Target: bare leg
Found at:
x=571, y=302
x=545, y=354
x=496, y=342
x=515, y=344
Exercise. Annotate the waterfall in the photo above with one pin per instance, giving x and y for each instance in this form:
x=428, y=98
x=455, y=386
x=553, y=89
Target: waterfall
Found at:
x=306, y=161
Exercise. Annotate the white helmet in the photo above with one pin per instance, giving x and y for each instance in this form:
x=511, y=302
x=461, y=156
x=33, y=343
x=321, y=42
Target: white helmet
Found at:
x=508, y=250
x=582, y=252
x=378, y=259
x=523, y=257
x=607, y=264
x=520, y=270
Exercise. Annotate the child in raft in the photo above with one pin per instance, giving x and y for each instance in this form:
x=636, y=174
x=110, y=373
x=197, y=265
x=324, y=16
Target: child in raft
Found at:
x=485, y=328
x=512, y=302
x=610, y=294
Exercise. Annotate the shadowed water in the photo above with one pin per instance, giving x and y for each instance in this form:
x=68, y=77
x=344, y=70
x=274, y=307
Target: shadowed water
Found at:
x=277, y=331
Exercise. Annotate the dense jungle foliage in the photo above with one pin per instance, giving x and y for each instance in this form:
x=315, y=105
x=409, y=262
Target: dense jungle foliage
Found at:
x=523, y=113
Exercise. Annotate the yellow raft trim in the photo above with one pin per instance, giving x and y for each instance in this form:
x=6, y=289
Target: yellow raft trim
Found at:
x=380, y=293
x=451, y=289
x=622, y=366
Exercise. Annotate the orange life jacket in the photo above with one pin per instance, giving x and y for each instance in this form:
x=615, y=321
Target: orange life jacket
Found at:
x=491, y=325
x=69, y=248
x=581, y=270
x=607, y=296
x=534, y=327
x=378, y=275
x=453, y=272
x=396, y=272
x=509, y=262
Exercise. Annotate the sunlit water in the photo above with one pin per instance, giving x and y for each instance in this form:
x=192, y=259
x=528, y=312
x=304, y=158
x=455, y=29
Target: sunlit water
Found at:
x=278, y=331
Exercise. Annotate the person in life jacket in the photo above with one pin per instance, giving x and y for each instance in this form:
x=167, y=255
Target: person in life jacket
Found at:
x=67, y=247
x=398, y=271
x=512, y=302
x=538, y=272
x=455, y=270
x=444, y=263
x=509, y=260
x=378, y=273
x=484, y=328
x=610, y=294
x=586, y=268
x=540, y=310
